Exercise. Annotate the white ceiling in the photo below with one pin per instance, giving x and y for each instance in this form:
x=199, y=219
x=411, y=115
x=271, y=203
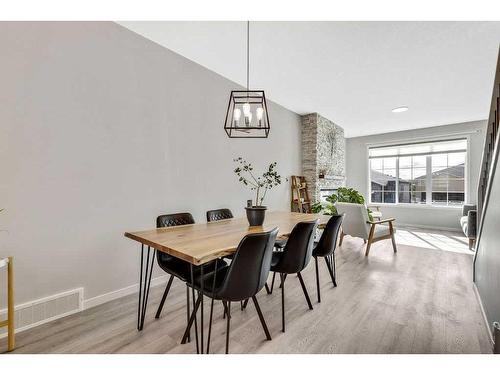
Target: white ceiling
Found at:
x=353, y=73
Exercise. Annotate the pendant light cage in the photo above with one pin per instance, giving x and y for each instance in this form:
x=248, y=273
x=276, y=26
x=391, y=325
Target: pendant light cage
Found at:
x=247, y=115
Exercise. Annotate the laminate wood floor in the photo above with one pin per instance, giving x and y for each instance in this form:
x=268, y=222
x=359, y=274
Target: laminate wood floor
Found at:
x=420, y=300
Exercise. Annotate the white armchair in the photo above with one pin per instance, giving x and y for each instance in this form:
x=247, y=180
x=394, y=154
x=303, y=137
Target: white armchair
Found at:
x=357, y=224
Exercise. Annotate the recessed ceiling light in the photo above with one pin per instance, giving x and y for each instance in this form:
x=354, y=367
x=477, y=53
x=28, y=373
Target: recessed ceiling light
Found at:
x=400, y=109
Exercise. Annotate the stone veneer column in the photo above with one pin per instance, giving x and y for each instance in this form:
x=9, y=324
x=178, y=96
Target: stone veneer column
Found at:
x=323, y=148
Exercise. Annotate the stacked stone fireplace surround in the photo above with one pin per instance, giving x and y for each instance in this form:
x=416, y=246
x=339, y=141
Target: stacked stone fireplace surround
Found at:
x=323, y=153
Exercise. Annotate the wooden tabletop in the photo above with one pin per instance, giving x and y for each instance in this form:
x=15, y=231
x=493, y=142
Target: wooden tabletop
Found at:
x=201, y=243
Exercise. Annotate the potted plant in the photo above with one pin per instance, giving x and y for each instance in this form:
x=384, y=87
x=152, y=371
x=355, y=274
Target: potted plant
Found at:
x=260, y=184
x=344, y=194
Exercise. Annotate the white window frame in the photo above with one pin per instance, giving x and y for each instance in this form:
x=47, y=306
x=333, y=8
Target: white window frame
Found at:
x=428, y=204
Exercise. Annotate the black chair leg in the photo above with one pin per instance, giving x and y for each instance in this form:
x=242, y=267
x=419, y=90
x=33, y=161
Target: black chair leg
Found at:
x=329, y=266
x=282, y=303
x=284, y=278
x=317, y=279
x=305, y=291
x=225, y=309
x=191, y=320
x=261, y=317
x=334, y=270
x=245, y=303
x=268, y=291
x=228, y=327
x=165, y=294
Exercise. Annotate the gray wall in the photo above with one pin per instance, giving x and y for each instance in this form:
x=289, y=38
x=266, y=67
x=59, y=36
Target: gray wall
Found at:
x=487, y=265
x=357, y=171
x=101, y=131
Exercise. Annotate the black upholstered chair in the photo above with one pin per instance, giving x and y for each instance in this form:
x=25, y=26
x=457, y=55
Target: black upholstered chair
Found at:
x=176, y=267
x=220, y=214
x=242, y=280
x=325, y=248
x=294, y=258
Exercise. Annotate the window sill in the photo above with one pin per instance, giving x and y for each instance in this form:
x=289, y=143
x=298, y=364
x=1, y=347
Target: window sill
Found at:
x=418, y=206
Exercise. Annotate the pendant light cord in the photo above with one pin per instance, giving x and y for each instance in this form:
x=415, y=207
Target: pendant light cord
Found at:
x=248, y=54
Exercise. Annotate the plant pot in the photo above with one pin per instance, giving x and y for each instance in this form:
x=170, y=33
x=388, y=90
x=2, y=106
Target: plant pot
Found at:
x=256, y=215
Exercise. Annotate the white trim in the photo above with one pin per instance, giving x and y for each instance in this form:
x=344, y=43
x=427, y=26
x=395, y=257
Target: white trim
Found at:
x=403, y=226
x=432, y=138
x=82, y=304
x=483, y=313
x=416, y=205
x=43, y=300
x=52, y=297
x=4, y=262
x=40, y=322
x=110, y=296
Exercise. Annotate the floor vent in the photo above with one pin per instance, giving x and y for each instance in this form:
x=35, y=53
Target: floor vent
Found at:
x=43, y=310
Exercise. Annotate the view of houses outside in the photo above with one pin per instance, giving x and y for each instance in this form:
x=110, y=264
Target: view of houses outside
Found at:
x=404, y=179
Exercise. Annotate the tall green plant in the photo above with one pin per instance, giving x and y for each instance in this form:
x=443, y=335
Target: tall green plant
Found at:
x=344, y=194
x=265, y=182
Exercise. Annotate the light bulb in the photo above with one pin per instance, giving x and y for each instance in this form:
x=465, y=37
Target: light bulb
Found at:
x=246, y=109
x=260, y=112
x=236, y=116
x=248, y=118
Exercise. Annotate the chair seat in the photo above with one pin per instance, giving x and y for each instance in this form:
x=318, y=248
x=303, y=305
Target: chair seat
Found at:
x=208, y=281
x=316, y=252
x=276, y=258
x=182, y=269
x=382, y=230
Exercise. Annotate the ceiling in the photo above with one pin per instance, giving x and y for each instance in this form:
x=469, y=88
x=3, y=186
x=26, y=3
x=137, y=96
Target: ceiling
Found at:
x=353, y=73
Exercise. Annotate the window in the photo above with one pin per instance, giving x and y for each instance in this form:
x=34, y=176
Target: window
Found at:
x=431, y=173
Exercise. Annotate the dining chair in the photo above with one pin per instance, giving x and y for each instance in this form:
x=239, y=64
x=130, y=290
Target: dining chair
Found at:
x=219, y=214
x=176, y=267
x=241, y=280
x=325, y=248
x=294, y=258
x=357, y=223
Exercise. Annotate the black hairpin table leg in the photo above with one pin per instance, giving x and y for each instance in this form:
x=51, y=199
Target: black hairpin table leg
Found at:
x=195, y=309
x=144, y=284
x=201, y=320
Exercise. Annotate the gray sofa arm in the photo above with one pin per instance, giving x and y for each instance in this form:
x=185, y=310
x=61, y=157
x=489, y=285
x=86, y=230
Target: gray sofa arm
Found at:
x=471, y=223
x=467, y=207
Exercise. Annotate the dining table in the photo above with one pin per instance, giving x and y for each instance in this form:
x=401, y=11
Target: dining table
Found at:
x=199, y=244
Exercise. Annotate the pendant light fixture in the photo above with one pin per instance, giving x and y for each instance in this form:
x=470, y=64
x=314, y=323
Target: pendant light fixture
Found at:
x=247, y=115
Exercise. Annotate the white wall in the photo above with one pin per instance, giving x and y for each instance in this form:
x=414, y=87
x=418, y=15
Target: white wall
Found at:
x=101, y=131
x=357, y=171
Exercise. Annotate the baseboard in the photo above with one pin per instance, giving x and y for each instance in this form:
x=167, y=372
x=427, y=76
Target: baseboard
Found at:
x=483, y=313
x=43, y=310
x=420, y=226
x=106, y=297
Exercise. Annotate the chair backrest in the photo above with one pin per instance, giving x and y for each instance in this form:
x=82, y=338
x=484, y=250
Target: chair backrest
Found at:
x=220, y=214
x=355, y=220
x=298, y=249
x=249, y=267
x=328, y=241
x=171, y=220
